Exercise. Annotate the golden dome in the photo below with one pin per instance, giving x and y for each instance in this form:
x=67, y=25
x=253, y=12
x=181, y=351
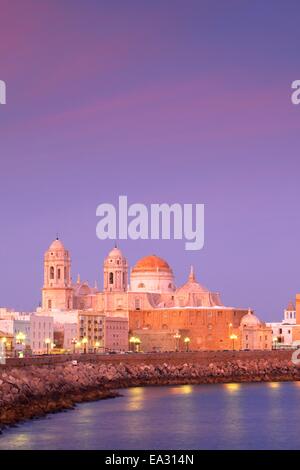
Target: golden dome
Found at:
x=151, y=263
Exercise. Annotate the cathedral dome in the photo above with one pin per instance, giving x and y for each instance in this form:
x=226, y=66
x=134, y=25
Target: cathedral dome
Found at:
x=250, y=320
x=56, y=245
x=152, y=274
x=151, y=263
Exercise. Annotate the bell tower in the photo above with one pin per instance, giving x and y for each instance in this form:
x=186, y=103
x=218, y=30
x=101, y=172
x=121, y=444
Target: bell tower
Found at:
x=115, y=271
x=57, y=292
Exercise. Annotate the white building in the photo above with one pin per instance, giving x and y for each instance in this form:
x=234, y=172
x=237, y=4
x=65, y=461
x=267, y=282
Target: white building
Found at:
x=36, y=331
x=19, y=329
x=41, y=333
x=282, y=332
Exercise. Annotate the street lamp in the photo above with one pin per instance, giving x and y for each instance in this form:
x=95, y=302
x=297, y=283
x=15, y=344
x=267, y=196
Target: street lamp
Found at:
x=47, y=343
x=187, y=343
x=74, y=342
x=20, y=339
x=97, y=345
x=132, y=342
x=233, y=337
x=84, y=342
x=177, y=337
x=137, y=344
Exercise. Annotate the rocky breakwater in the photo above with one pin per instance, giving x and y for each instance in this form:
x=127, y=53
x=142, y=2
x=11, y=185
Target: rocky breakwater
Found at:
x=33, y=391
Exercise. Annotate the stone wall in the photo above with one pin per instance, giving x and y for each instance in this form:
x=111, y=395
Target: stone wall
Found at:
x=200, y=357
x=30, y=391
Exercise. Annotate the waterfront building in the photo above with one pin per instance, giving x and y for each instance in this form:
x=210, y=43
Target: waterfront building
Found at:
x=41, y=334
x=116, y=334
x=285, y=333
x=99, y=332
x=254, y=333
x=19, y=329
x=30, y=331
x=6, y=341
x=162, y=316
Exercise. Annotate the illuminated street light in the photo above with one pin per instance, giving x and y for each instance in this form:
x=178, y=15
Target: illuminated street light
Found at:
x=137, y=344
x=20, y=340
x=20, y=337
x=78, y=345
x=132, y=342
x=177, y=337
x=74, y=342
x=97, y=346
x=233, y=337
x=47, y=343
x=187, y=343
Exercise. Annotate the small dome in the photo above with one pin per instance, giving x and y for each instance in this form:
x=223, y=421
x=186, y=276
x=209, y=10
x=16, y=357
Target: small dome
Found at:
x=56, y=245
x=151, y=263
x=250, y=319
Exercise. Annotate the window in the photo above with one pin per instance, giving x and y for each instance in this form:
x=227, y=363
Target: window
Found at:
x=49, y=304
x=111, y=278
x=137, y=304
x=52, y=272
x=141, y=285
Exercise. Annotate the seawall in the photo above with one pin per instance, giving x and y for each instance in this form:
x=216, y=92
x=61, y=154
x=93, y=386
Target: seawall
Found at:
x=32, y=387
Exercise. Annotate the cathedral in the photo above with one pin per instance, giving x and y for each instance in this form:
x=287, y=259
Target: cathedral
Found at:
x=161, y=316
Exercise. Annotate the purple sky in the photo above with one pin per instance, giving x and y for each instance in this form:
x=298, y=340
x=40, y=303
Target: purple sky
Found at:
x=164, y=101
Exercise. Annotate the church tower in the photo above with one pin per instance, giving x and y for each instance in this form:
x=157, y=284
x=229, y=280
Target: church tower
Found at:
x=115, y=272
x=57, y=292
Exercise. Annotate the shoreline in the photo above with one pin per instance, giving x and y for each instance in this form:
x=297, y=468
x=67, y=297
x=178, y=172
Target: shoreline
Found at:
x=35, y=391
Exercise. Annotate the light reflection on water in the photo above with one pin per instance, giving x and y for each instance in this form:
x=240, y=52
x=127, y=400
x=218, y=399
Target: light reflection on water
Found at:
x=224, y=416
